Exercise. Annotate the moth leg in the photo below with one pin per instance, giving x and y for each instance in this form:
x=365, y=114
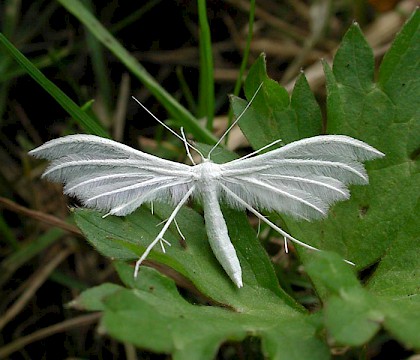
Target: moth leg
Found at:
x=179, y=230
x=162, y=242
x=259, y=227
x=263, y=218
x=162, y=232
x=286, y=248
x=268, y=222
x=162, y=222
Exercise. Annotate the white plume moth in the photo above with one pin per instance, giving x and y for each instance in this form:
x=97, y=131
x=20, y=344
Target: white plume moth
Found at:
x=301, y=179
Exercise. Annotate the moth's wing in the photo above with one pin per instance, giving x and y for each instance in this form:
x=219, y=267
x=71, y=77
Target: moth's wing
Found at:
x=110, y=176
x=302, y=178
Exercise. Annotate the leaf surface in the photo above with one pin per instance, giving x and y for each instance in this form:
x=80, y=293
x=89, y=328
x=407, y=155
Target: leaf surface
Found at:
x=151, y=314
x=378, y=226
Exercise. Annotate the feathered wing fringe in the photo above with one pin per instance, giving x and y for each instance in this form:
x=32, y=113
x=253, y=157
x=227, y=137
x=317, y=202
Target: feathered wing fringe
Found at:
x=303, y=178
x=110, y=176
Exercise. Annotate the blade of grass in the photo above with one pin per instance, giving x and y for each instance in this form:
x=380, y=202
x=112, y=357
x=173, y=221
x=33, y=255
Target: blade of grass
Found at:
x=175, y=109
x=244, y=62
x=99, y=67
x=245, y=57
x=86, y=122
x=206, y=81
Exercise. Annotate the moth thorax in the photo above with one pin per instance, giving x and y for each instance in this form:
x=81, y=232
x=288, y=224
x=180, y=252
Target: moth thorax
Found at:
x=208, y=171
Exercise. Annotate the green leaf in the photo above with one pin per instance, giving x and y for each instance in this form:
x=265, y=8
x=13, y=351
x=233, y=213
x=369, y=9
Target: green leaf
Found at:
x=274, y=115
x=92, y=299
x=399, y=74
x=353, y=317
x=127, y=238
x=351, y=314
x=396, y=281
x=379, y=224
x=354, y=314
x=398, y=273
x=354, y=61
x=362, y=228
x=379, y=220
x=189, y=331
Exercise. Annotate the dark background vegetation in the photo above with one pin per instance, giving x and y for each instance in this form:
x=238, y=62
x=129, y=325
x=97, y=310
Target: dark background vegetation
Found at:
x=37, y=283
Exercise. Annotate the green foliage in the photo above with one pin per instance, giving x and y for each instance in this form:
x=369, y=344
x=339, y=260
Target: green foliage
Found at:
x=376, y=228
x=150, y=313
x=274, y=114
x=377, y=225
x=206, y=101
x=126, y=238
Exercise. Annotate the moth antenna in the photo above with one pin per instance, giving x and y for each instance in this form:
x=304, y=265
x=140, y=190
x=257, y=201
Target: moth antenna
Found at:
x=286, y=248
x=272, y=225
x=162, y=232
x=164, y=125
x=235, y=122
x=186, y=146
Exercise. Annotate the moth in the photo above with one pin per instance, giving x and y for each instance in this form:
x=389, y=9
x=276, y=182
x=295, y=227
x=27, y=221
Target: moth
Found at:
x=302, y=179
